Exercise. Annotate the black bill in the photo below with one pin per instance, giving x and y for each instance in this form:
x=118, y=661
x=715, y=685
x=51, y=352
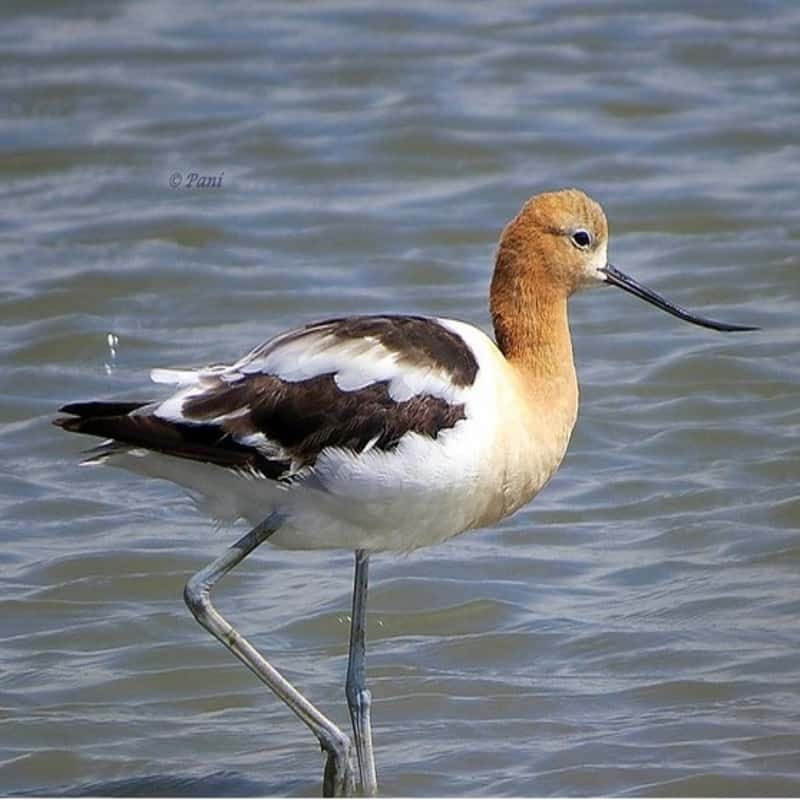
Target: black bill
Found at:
x=617, y=278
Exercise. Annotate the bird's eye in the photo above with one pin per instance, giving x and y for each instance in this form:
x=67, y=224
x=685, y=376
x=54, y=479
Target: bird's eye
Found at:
x=581, y=238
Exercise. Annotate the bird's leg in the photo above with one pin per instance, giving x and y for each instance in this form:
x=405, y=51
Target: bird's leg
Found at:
x=338, y=779
x=359, y=697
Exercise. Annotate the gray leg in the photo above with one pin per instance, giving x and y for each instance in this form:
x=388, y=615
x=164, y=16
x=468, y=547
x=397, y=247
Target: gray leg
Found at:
x=359, y=697
x=338, y=779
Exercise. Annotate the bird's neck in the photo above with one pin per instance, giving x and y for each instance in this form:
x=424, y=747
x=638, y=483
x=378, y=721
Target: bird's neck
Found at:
x=532, y=330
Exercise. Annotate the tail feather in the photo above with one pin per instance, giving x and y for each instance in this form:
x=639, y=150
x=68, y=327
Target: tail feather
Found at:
x=197, y=442
x=99, y=408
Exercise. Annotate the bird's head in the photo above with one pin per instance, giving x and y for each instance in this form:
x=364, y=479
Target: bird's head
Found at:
x=557, y=245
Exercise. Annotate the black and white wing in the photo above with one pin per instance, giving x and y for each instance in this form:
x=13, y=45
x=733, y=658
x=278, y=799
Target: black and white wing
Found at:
x=357, y=383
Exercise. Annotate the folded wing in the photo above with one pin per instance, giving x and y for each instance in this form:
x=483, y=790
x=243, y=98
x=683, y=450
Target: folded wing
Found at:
x=355, y=383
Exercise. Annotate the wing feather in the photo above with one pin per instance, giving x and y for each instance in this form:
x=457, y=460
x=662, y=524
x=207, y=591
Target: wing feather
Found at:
x=355, y=383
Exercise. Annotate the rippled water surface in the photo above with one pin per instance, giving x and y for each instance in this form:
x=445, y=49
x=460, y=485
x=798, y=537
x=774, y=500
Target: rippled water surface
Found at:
x=636, y=630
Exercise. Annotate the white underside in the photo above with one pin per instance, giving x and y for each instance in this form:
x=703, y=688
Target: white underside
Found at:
x=422, y=492
x=414, y=496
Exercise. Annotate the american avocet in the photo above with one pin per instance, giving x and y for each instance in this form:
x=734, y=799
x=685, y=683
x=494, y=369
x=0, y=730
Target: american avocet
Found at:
x=378, y=433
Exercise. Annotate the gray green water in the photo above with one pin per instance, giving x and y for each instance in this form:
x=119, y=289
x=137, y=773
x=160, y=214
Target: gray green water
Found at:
x=636, y=630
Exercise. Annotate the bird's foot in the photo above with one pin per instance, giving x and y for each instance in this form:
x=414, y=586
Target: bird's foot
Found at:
x=339, y=778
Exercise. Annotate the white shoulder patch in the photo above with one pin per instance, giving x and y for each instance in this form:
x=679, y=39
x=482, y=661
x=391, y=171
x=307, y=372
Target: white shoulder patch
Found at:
x=173, y=377
x=355, y=363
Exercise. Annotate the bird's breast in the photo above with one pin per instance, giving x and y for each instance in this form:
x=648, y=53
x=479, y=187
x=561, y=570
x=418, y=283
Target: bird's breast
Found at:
x=532, y=433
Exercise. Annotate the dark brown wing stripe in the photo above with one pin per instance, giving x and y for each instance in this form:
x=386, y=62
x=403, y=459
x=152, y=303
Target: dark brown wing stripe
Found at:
x=302, y=418
x=299, y=419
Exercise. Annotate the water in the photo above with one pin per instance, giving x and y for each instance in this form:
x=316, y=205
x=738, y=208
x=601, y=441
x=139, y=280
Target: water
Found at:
x=635, y=630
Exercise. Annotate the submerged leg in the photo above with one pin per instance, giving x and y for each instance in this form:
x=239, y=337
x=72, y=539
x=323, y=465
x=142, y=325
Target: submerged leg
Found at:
x=338, y=779
x=359, y=697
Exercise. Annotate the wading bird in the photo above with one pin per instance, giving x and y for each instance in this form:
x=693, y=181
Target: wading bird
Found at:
x=374, y=433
